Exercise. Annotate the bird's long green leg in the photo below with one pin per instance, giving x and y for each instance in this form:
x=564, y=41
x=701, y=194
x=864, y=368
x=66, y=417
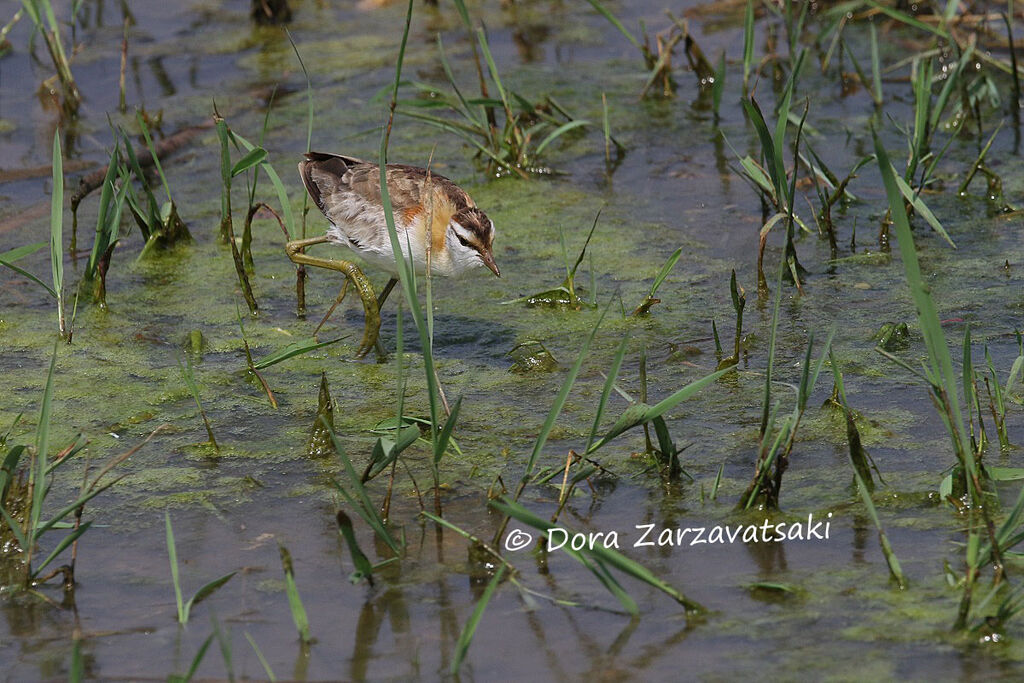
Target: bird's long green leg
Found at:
x=295, y=250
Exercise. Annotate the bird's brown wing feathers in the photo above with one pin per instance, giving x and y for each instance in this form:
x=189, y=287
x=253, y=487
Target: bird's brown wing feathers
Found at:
x=332, y=179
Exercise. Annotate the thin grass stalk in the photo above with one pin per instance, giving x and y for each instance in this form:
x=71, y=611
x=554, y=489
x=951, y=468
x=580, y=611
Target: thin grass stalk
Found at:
x=188, y=376
x=406, y=272
x=300, y=274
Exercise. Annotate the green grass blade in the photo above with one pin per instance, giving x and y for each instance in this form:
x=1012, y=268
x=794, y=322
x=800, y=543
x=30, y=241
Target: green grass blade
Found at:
x=778, y=177
x=205, y=592
x=748, y=42
x=941, y=364
x=493, y=69
x=37, y=472
x=876, y=67
x=64, y=543
x=890, y=556
x=362, y=564
x=296, y=348
x=641, y=413
x=665, y=270
x=361, y=500
x=608, y=556
x=606, y=13
x=909, y=20
x=560, y=399
x=152, y=151
x=469, y=630
x=172, y=555
x=446, y=432
x=718, y=87
x=609, y=383
x=558, y=132
x=294, y=601
x=57, y=228
x=254, y=157
x=279, y=188
x=198, y=659
x=30, y=276
x=20, y=252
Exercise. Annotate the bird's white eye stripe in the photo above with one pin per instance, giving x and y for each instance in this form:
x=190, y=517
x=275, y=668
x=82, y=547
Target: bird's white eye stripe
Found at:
x=461, y=234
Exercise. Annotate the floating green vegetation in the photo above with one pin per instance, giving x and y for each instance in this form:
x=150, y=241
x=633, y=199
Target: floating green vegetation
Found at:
x=379, y=429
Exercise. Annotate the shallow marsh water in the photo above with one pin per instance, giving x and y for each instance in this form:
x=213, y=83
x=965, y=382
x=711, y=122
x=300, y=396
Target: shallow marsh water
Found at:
x=119, y=379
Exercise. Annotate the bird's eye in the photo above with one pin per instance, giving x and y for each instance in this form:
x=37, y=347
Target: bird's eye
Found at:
x=462, y=241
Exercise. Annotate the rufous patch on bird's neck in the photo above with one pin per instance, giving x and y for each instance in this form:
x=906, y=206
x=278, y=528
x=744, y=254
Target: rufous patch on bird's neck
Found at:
x=440, y=213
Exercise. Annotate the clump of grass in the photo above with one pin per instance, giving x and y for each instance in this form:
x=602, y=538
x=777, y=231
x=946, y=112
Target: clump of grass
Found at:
x=941, y=380
x=645, y=306
x=160, y=224
x=527, y=127
x=776, y=188
x=41, y=13
x=738, y=296
x=658, y=61
x=24, y=489
x=566, y=294
x=108, y=225
x=775, y=443
x=227, y=231
x=185, y=608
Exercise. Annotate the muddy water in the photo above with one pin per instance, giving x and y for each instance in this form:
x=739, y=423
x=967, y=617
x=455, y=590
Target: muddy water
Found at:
x=839, y=614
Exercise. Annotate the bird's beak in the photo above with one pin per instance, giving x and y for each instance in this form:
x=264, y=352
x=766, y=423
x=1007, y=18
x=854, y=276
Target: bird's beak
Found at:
x=488, y=260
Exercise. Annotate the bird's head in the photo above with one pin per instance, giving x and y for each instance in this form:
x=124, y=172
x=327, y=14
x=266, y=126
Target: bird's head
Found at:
x=470, y=239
